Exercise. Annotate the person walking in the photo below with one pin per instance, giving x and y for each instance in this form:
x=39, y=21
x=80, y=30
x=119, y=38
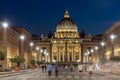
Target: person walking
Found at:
x=49, y=68
x=80, y=68
x=71, y=67
x=90, y=68
x=66, y=68
x=56, y=70
x=43, y=67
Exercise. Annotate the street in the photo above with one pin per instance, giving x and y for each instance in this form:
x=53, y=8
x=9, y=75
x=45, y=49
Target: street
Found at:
x=38, y=75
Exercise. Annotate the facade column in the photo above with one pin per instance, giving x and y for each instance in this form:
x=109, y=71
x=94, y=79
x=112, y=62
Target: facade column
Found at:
x=52, y=54
x=72, y=54
x=79, y=54
x=68, y=57
x=63, y=56
x=57, y=53
x=75, y=56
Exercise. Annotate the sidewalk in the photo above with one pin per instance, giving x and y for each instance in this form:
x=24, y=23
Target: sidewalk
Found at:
x=10, y=73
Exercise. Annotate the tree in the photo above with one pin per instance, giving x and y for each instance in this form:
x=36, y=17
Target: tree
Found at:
x=2, y=55
x=18, y=60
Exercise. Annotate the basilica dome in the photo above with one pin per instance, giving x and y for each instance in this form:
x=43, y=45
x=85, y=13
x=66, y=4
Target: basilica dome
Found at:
x=66, y=24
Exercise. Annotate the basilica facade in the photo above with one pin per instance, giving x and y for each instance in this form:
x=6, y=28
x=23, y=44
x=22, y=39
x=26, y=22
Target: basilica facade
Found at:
x=66, y=43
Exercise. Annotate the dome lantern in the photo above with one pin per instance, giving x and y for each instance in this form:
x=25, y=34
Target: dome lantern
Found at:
x=66, y=15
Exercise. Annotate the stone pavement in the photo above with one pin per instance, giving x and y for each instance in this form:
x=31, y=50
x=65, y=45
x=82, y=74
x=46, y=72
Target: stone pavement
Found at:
x=38, y=75
x=10, y=73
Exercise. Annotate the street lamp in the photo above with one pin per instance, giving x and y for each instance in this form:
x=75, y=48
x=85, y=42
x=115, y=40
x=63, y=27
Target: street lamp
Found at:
x=91, y=50
x=96, y=48
x=86, y=57
x=31, y=46
x=112, y=37
x=47, y=57
x=37, y=48
x=102, y=54
x=41, y=50
x=22, y=37
x=88, y=52
x=5, y=25
x=102, y=44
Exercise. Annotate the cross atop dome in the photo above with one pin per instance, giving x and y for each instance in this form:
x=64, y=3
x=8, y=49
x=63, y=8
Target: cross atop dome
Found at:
x=66, y=15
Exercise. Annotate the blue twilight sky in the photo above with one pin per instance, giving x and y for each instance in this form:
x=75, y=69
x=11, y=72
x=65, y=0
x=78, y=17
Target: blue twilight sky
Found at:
x=40, y=16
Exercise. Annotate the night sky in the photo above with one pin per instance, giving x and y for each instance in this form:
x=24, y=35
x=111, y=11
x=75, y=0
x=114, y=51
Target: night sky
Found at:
x=41, y=16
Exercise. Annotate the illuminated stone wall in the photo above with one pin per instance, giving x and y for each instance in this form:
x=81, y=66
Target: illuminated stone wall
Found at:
x=114, y=30
x=12, y=44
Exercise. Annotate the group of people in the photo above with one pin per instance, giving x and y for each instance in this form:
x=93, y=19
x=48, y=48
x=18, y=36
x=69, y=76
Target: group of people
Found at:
x=66, y=67
x=50, y=67
x=44, y=67
x=88, y=68
x=56, y=68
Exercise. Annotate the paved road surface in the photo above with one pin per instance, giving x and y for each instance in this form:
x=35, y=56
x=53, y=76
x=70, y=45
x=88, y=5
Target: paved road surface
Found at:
x=38, y=75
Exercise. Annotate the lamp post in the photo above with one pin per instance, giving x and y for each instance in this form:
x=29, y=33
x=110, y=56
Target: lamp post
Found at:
x=41, y=50
x=66, y=59
x=31, y=46
x=91, y=51
x=112, y=37
x=5, y=25
x=37, y=48
x=102, y=54
x=86, y=57
x=96, y=48
x=22, y=37
x=47, y=57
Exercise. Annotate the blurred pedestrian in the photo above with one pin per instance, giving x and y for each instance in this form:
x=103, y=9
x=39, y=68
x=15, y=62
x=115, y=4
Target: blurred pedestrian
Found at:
x=66, y=67
x=71, y=67
x=90, y=68
x=49, y=69
x=56, y=70
x=43, y=66
x=80, y=68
